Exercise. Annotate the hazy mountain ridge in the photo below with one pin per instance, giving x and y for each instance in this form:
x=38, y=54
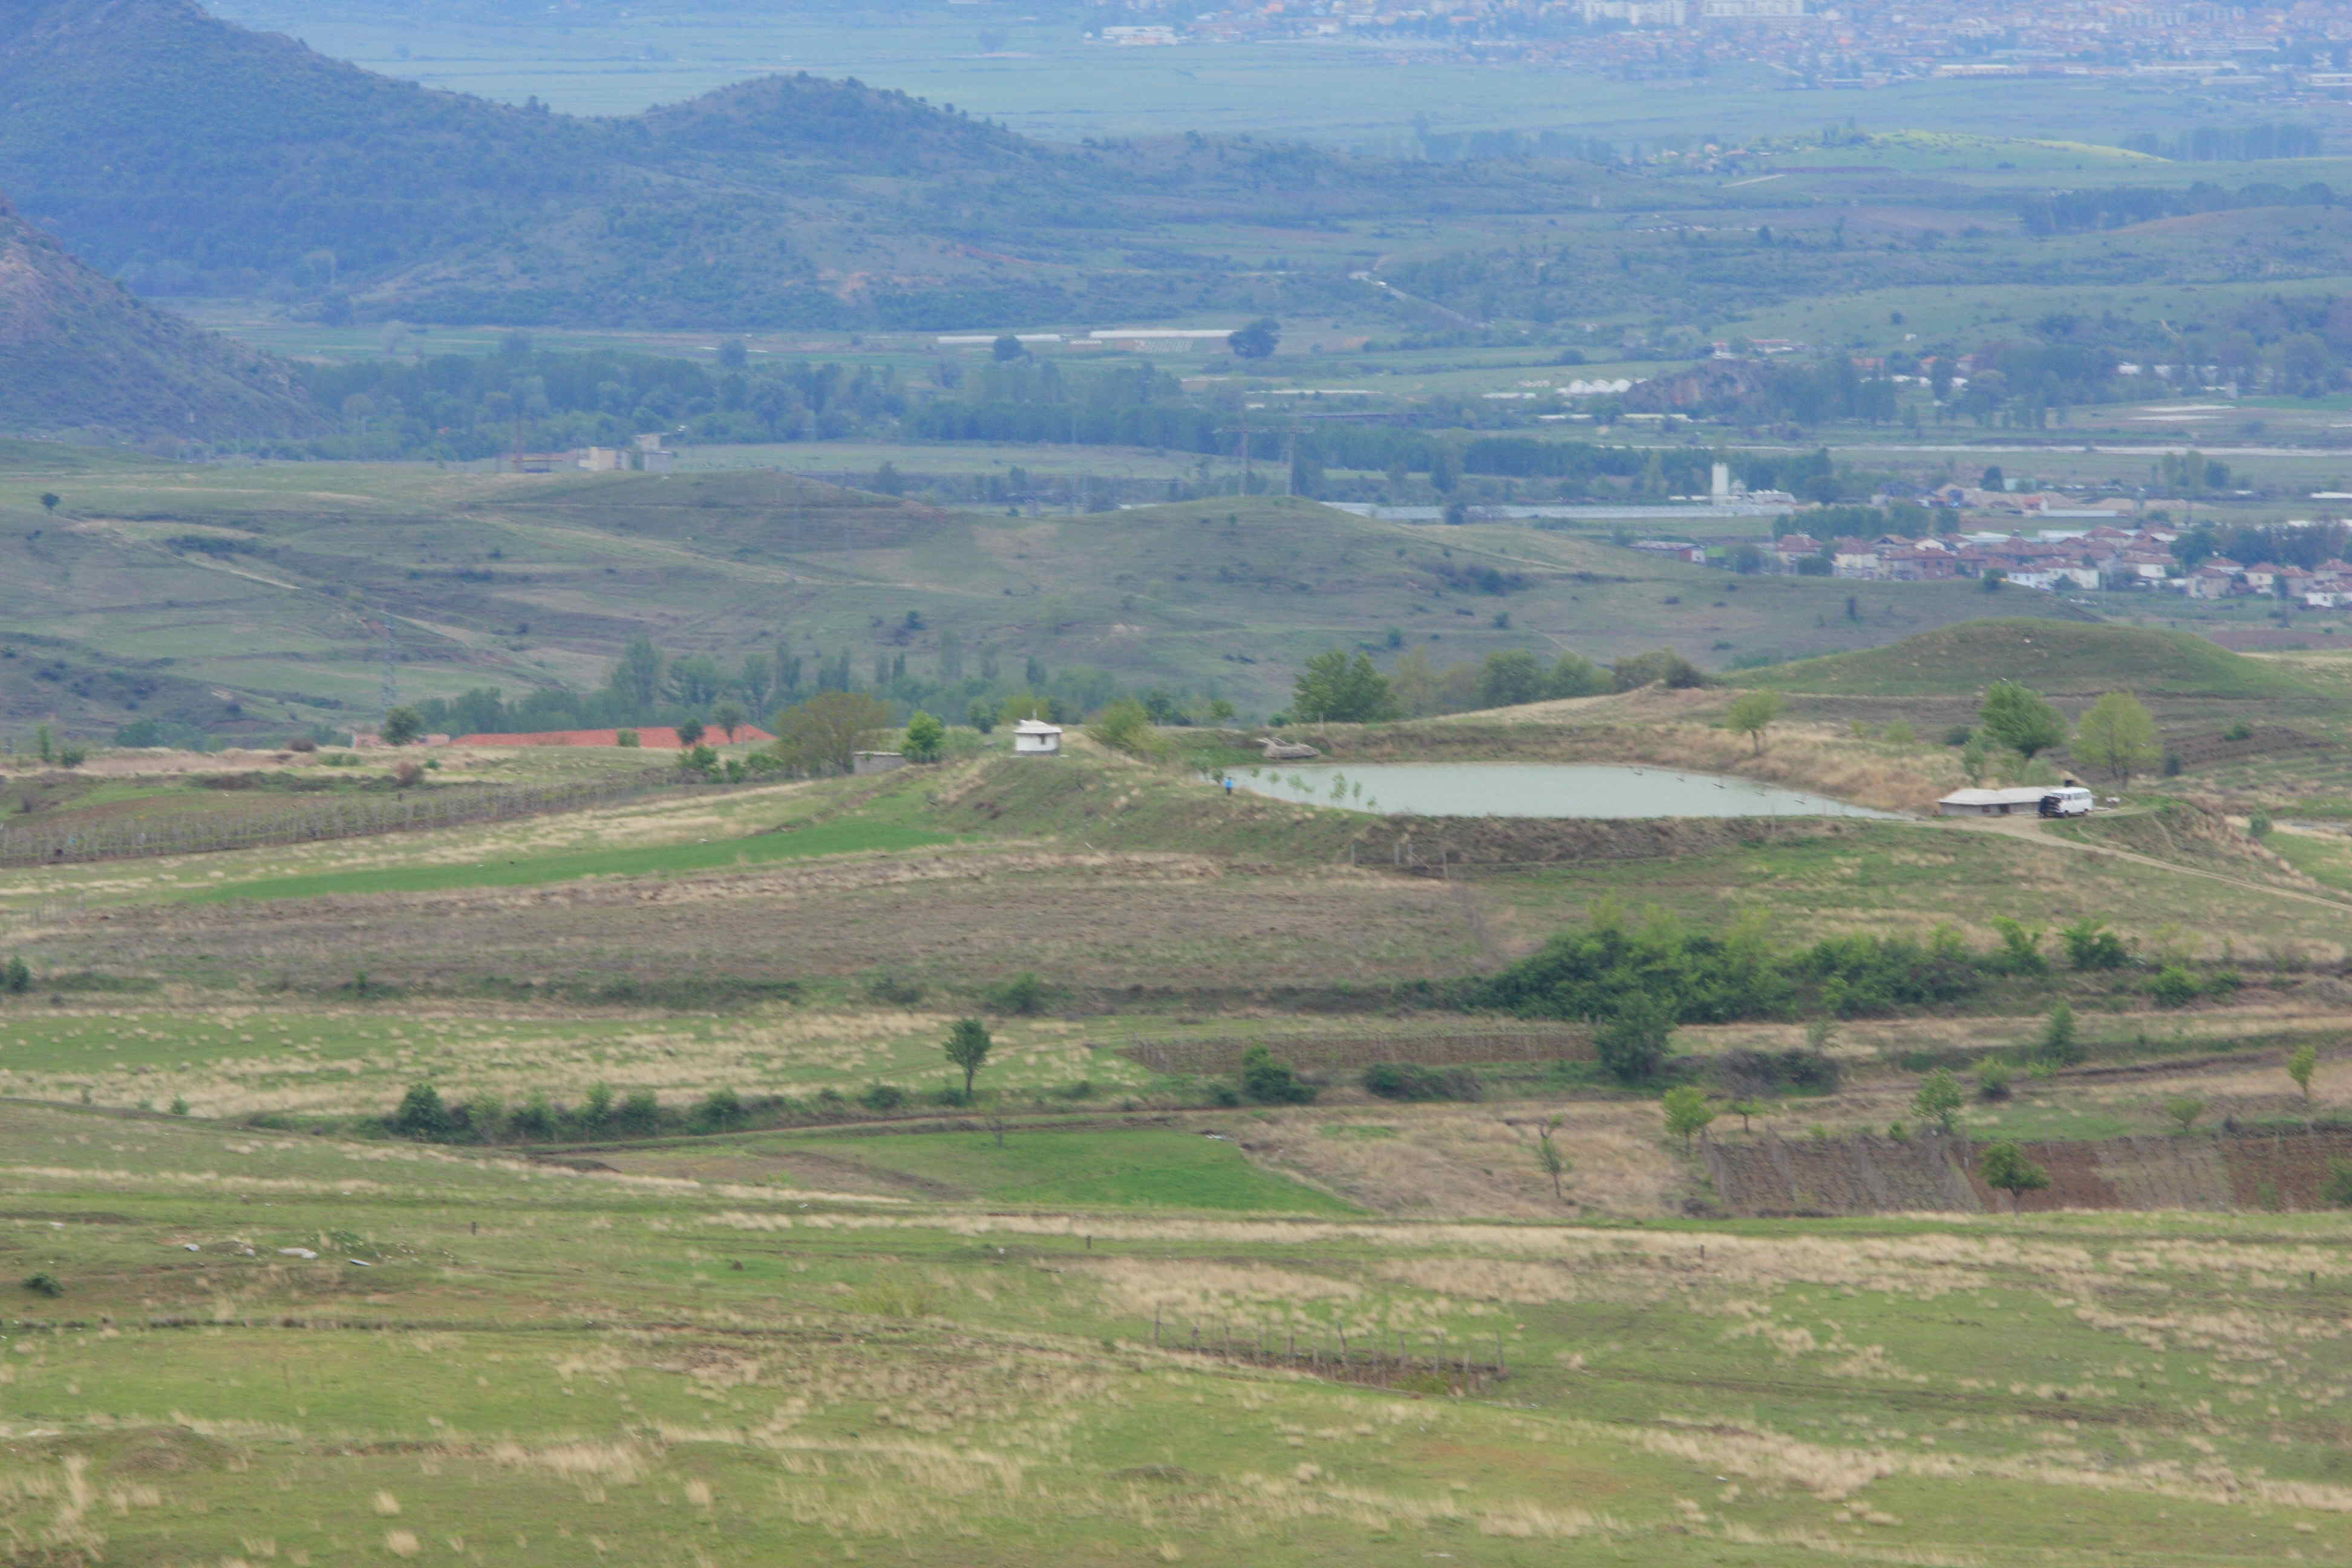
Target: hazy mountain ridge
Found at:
x=76, y=352
x=190, y=155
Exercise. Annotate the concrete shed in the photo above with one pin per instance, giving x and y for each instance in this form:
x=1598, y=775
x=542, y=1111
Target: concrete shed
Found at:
x=1035, y=738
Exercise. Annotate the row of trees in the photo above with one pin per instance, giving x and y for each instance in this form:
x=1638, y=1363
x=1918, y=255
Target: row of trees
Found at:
x=1340, y=687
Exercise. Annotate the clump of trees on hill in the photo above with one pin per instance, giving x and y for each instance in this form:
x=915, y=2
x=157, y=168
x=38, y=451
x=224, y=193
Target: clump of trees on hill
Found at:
x=1340, y=687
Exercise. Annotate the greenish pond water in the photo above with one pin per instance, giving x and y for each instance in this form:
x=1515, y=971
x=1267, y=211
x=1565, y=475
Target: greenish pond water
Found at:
x=1536, y=789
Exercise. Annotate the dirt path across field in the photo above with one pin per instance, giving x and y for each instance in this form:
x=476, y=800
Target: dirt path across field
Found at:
x=2030, y=829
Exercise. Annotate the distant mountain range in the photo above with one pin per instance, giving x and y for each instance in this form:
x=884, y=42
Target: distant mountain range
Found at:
x=77, y=353
x=188, y=155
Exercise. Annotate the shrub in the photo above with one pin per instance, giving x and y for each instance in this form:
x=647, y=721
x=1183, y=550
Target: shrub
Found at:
x=16, y=978
x=628, y=738
x=1939, y=1098
x=2059, y=1046
x=597, y=1114
x=420, y=1113
x=1632, y=1044
x=2174, y=987
x=895, y=990
x=44, y=1285
x=1225, y=1094
x=2238, y=731
x=2337, y=1188
x=1407, y=1080
x=532, y=1121
x=2021, y=949
x=927, y=739
x=1994, y=1077
x=1126, y=726
x=639, y=1115
x=1749, y=1074
x=1024, y=995
x=1687, y=1110
x=1271, y=1082
x=2090, y=945
x=881, y=1097
x=721, y=1110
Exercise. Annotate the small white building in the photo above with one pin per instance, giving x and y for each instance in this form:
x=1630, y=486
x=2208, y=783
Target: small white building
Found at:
x=1035, y=738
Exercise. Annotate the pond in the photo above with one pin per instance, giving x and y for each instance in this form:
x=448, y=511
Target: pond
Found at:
x=1535, y=789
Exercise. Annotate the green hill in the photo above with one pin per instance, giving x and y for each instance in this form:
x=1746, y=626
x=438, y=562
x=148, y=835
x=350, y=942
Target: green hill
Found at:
x=77, y=352
x=2056, y=657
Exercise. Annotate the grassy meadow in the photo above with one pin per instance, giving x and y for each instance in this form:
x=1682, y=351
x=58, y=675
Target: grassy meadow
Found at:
x=818, y=1306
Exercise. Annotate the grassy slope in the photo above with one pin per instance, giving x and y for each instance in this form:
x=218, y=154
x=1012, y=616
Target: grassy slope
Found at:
x=2058, y=658
x=765, y=1374
x=731, y=563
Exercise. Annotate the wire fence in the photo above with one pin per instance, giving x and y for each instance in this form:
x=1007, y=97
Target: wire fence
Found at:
x=348, y=817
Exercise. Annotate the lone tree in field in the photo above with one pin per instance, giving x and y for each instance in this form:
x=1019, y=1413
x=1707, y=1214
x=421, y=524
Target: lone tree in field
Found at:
x=50, y=500
x=1687, y=1110
x=968, y=1045
x=2185, y=1109
x=2021, y=718
x=1939, y=1098
x=690, y=733
x=2118, y=737
x=1751, y=713
x=1256, y=341
x=2005, y=1168
x=402, y=727
x=2301, y=1066
x=1555, y=1164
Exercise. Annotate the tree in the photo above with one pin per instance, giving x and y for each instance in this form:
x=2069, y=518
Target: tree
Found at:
x=2005, y=1168
x=690, y=733
x=729, y=717
x=2058, y=1043
x=1745, y=1107
x=2185, y=1109
x=1007, y=348
x=50, y=500
x=927, y=739
x=1993, y=479
x=2022, y=720
x=820, y=735
x=1256, y=341
x=1126, y=726
x=982, y=715
x=420, y=1113
x=968, y=1045
x=1509, y=679
x=636, y=675
x=1939, y=1098
x=1687, y=1110
x=1633, y=1042
x=402, y=727
x=1336, y=688
x=2301, y=1066
x=1555, y=1164
x=1751, y=713
x=2118, y=736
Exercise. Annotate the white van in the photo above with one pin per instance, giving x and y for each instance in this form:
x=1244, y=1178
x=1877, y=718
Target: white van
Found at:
x=2072, y=801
